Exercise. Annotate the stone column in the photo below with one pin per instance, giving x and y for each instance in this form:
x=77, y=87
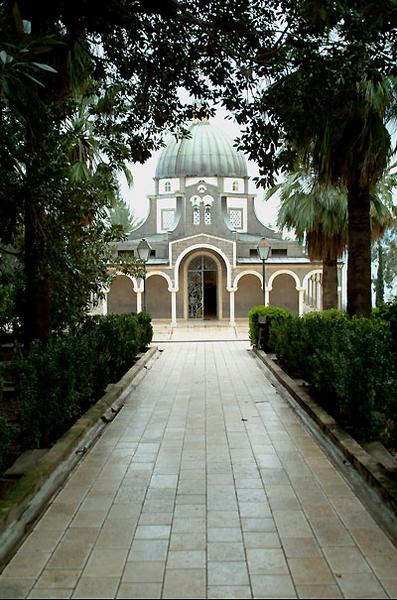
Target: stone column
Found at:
x=104, y=305
x=139, y=301
x=267, y=296
x=138, y=289
x=232, y=291
x=319, y=292
x=301, y=292
x=315, y=291
x=173, y=307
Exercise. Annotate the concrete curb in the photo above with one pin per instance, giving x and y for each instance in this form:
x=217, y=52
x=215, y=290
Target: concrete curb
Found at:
x=373, y=472
x=20, y=508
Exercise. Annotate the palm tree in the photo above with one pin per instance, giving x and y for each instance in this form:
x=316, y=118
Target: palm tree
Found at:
x=318, y=214
x=352, y=148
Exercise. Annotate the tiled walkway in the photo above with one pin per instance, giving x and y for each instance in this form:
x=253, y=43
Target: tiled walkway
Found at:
x=205, y=485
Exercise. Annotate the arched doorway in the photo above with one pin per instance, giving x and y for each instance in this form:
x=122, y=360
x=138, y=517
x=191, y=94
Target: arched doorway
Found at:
x=202, y=283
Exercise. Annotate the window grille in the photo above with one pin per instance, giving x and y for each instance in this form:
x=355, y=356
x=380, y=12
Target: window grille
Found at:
x=236, y=218
x=167, y=219
x=207, y=215
x=167, y=186
x=196, y=215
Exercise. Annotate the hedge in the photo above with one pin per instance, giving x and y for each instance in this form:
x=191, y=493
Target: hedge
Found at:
x=349, y=364
x=56, y=383
x=5, y=433
x=271, y=313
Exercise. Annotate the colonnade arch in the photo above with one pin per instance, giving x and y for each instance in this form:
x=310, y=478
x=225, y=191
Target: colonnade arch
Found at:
x=121, y=297
x=158, y=297
x=248, y=294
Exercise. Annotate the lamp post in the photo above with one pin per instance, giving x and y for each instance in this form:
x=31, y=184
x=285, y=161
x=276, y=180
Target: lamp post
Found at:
x=263, y=249
x=143, y=250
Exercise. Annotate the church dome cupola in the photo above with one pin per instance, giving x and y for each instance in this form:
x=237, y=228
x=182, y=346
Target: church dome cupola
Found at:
x=208, y=152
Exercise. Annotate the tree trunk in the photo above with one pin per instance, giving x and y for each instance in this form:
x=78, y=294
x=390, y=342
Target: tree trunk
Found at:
x=37, y=323
x=359, y=250
x=330, y=284
x=380, y=279
x=37, y=320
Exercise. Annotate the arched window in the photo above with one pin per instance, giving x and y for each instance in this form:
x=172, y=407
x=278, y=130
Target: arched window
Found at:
x=207, y=214
x=167, y=186
x=196, y=215
x=235, y=186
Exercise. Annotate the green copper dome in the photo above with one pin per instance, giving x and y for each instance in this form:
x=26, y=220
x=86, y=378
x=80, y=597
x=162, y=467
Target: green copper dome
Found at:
x=208, y=152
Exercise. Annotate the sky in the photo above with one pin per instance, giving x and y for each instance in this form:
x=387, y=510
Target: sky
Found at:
x=136, y=196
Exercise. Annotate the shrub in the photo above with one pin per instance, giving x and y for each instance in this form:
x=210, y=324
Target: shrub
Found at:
x=388, y=312
x=57, y=382
x=5, y=434
x=272, y=313
x=145, y=323
x=346, y=363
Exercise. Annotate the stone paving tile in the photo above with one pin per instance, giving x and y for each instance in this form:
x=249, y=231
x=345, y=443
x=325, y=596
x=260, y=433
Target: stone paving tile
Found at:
x=144, y=572
x=242, y=591
x=139, y=590
x=17, y=587
x=50, y=593
x=227, y=573
x=89, y=587
x=272, y=586
x=58, y=578
x=105, y=562
x=185, y=583
x=318, y=591
x=206, y=485
x=27, y=564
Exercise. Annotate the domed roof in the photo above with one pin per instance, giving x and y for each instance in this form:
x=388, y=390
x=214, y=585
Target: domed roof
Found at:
x=208, y=152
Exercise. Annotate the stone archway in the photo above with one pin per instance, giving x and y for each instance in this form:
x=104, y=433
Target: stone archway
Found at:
x=211, y=273
x=249, y=293
x=158, y=297
x=284, y=293
x=121, y=297
x=202, y=287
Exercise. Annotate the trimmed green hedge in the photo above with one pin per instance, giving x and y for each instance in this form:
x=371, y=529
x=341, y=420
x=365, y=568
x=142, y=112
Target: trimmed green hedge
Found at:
x=5, y=434
x=272, y=313
x=349, y=364
x=57, y=382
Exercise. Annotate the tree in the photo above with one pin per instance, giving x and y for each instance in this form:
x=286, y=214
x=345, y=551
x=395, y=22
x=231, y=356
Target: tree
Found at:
x=384, y=252
x=120, y=215
x=318, y=214
x=379, y=280
x=132, y=57
x=328, y=95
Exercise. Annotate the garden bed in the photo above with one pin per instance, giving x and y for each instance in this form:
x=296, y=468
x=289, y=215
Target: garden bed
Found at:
x=28, y=495
x=379, y=478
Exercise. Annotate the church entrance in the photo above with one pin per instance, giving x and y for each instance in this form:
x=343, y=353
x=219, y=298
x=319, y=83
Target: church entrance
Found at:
x=202, y=288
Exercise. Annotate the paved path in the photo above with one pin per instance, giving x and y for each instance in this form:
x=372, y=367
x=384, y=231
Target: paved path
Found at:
x=205, y=485
x=201, y=330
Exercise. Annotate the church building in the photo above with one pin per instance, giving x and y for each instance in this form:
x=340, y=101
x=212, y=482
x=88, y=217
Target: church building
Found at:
x=203, y=232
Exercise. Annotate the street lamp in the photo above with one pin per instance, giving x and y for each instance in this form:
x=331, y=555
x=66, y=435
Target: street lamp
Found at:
x=143, y=250
x=263, y=249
